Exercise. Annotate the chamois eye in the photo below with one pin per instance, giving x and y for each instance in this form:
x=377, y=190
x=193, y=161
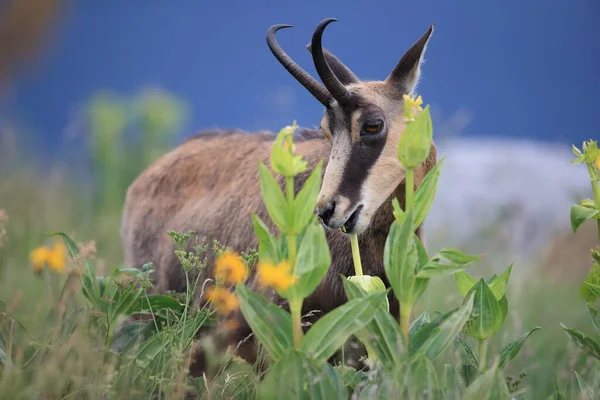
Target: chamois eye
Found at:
x=372, y=127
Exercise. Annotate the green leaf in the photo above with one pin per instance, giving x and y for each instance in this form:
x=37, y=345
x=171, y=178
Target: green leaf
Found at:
x=486, y=317
x=296, y=376
x=464, y=282
x=306, y=200
x=514, y=347
x=586, y=343
x=330, y=332
x=89, y=283
x=157, y=304
x=580, y=214
x=595, y=319
x=268, y=248
x=498, y=285
x=416, y=379
x=434, y=341
x=456, y=261
x=271, y=325
x=273, y=198
x=312, y=262
x=490, y=385
x=382, y=333
x=503, y=303
x=400, y=259
x=418, y=323
x=425, y=193
x=467, y=350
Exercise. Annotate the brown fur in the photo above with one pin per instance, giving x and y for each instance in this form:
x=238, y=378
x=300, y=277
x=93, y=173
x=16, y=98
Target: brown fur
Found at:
x=191, y=189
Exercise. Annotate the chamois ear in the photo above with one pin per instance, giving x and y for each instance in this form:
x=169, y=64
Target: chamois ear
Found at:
x=343, y=73
x=405, y=77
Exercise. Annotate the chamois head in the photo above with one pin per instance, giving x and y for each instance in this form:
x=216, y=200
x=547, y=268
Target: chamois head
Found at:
x=364, y=121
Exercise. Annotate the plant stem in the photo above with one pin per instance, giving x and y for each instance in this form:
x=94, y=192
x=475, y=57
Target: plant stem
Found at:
x=410, y=187
x=483, y=345
x=596, y=191
x=356, y=255
x=296, y=310
x=405, y=311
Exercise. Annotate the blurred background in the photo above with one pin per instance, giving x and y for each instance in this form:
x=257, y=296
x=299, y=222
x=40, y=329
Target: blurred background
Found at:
x=92, y=92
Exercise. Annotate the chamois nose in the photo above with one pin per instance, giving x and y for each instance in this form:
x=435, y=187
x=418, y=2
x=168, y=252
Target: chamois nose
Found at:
x=326, y=212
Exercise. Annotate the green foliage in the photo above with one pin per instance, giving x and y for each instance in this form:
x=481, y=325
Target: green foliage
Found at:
x=103, y=340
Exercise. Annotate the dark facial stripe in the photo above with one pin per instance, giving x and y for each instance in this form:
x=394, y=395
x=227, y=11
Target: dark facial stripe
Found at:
x=363, y=156
x=364, y=153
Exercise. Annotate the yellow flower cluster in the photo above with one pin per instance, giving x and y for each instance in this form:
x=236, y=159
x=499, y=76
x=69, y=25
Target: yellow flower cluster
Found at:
x=54, y=258
x=412, y=107
x=222, y=300
x=230, y=268
x=278, y=277
x=597, y=162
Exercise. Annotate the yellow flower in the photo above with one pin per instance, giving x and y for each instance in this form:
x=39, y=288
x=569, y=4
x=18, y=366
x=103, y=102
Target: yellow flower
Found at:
x=230, y=268
x=278, y=277
x=412, y=107
x=57, y=256
x=222, y=300
x=53, y=258
x=597, y=162
x=38, y=257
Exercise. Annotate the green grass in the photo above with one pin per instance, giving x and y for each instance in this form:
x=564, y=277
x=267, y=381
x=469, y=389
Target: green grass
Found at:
x=38, y=200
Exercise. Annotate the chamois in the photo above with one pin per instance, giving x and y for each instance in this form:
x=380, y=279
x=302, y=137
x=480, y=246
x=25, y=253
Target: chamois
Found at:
x=210, y=185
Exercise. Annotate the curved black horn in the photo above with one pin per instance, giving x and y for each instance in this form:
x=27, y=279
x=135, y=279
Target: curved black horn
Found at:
x=310, y=83
x=332, y=83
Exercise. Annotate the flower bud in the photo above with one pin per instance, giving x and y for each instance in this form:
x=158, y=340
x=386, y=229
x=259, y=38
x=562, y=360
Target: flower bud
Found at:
x=283, y=160
x=370, y=284
x=415, y=142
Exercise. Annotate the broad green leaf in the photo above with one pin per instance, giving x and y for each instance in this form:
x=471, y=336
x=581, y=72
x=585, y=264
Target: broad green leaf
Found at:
x=157, y=304
x=425, y=193
x=467, y=351
x=312, y=262
x=416, y=379
x=503, y=303
x=464, y=282
x=418, y=323
x=400, y=259
x=451, y=383
x=271, y=325
x=580, y=214
x=586, y=343
x=296, y=376
x=454, y=261
x=268, y=250
x=514, y=347
x=352, y=378
x=444, y=334
x=273, y=198
x=488, y=386
x=593, y=289
x=382, y=333
x=595, y=319
x=486, y=317
x=498, y=285
x=331, y=331
x=306, y=200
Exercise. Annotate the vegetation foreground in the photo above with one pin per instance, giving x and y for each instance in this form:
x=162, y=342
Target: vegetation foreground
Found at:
x=66, y=331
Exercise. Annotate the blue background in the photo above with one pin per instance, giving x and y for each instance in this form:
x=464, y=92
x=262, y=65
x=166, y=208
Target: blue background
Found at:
x=521, y=69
